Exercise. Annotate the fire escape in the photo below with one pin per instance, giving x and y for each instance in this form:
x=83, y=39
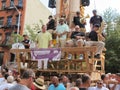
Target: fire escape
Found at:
x=12, y=20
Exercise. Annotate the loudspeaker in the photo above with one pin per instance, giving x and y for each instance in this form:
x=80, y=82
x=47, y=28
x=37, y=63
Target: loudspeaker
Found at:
x=85, y=2
x=52, y=4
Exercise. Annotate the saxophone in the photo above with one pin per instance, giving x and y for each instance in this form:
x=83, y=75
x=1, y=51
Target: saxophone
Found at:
x=83, y=21
x=100, y=36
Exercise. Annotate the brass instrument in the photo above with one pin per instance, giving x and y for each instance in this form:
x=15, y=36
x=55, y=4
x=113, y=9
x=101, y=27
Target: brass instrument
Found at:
x=83, y=21
x=100, y=36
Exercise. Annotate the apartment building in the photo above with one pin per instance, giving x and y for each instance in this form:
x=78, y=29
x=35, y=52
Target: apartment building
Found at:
x=16, y=14
x=9, y=17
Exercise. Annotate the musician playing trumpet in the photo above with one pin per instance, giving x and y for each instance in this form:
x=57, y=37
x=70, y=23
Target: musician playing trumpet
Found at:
x=80, y=21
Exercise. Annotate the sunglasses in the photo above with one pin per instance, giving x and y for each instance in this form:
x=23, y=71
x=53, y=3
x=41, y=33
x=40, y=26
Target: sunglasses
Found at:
x=99, y=83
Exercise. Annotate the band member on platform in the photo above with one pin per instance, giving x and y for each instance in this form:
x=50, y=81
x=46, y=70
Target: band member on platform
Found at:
x=26, y=42
x=95, y=19
x=43, y=40
x=94, y=41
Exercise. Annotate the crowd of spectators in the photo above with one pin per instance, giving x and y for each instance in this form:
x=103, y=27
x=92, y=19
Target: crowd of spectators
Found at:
x=29, y=80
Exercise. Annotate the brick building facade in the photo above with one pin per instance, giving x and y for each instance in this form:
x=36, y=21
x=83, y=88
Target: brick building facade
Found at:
x=9, y=16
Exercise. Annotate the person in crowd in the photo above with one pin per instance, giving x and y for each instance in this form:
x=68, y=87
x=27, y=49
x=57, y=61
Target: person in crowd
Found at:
x=5, y=75
x=39, y=84
x=76, y=20
x=64, y=80
x=43, y=40
x=78, y=82
x=112, y=83
x=100, y=86
x=33, y=87
x=118, y=79
x=2, y=79
x=16, y=75
x=62, y=30
x=74, y=88
x=42, y=77
x=27, y=78
x=65, y=19
x=95, y=19
x=51, y=24
x=86, y=81
x=104, y=79
x=56, y=85
x=77, y=38
x=93, y=36
x=8, y=84
x=26, y=42
x=25, y=55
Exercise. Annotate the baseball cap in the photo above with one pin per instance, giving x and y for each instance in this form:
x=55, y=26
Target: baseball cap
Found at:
x=96, y=25
x=61, y=19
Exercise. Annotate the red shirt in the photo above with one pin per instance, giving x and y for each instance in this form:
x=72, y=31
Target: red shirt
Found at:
x=32, y=87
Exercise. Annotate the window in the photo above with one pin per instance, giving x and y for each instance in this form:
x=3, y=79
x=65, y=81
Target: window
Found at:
x=20, y=3
x=17, y=18
x=9, y=20
x=6, y=42
x=3, y=5
x=1, y=21
x=12, y=3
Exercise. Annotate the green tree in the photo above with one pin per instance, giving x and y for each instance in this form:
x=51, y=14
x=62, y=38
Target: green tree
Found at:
x=32, y=31
x=110, y=16
x=112, y=40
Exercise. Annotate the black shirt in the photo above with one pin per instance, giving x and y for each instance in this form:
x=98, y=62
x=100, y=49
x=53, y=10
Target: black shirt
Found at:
x=93, y=36
x=82, y=88
x=26, y=42
x=76, y=21
x=51, y=24
x=75, y=33
x=96, y=20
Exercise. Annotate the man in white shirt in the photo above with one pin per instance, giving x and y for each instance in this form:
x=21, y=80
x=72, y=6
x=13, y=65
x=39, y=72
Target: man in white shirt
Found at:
x=8, y=84
x=1, y=78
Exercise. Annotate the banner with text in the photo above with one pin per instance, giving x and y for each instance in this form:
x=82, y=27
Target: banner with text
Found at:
x=53, y=54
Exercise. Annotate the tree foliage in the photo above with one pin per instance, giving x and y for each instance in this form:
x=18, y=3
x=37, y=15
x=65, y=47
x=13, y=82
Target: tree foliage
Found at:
x=32, y=31
x=110, y=16
x=112, y=40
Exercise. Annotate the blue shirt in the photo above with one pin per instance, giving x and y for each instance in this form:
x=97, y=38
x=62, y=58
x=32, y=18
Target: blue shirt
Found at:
x=62, y=28
x=59, y=87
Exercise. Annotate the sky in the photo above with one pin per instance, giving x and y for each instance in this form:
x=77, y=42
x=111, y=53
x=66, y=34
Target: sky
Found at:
x=99, y=5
